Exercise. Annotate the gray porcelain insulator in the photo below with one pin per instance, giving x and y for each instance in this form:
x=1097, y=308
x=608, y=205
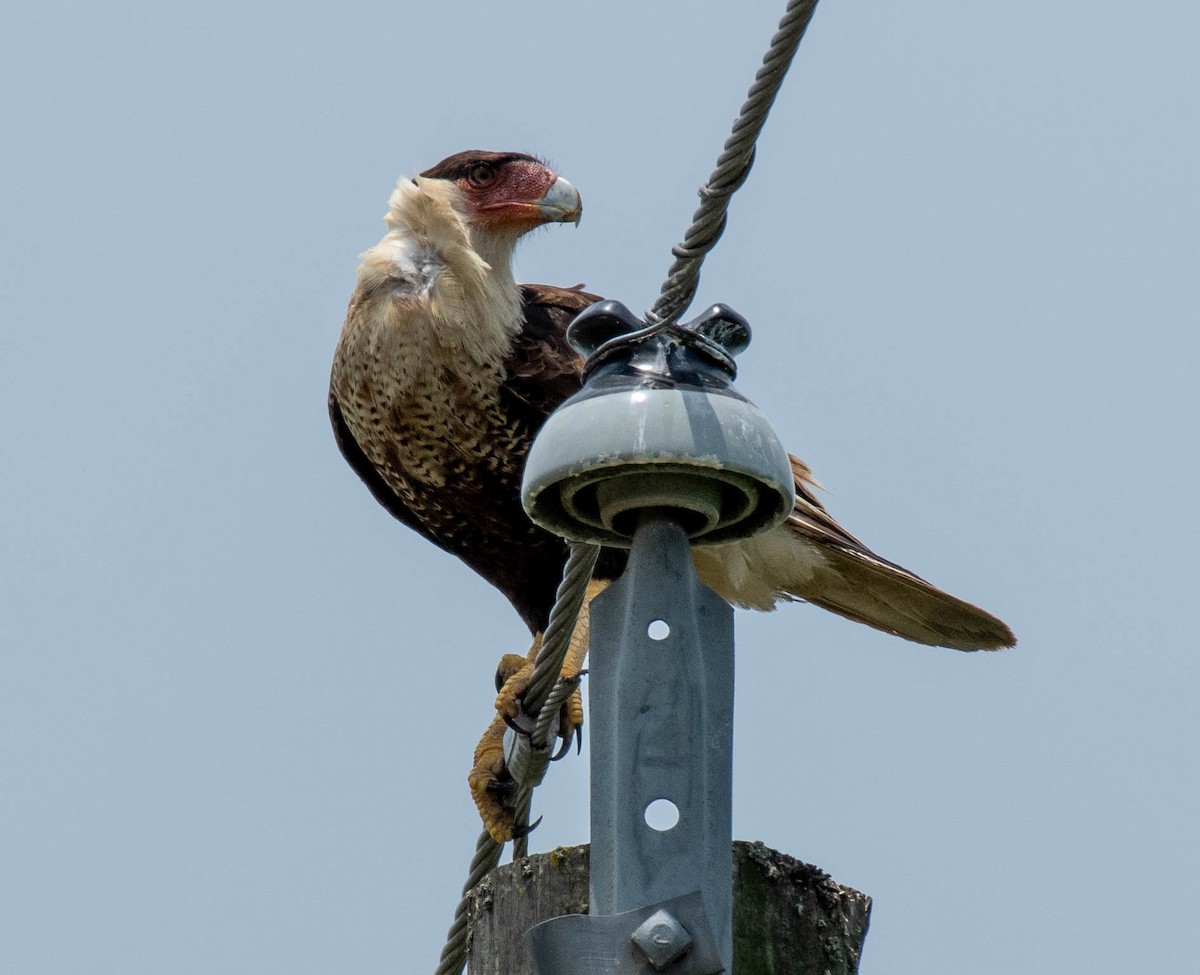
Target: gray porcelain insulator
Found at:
x=658, y=426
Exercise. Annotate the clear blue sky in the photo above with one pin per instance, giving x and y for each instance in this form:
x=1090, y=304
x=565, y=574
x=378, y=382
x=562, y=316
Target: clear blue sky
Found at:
x=237, y=701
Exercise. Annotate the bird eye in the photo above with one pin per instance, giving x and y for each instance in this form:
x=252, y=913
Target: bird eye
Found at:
x=481, y=174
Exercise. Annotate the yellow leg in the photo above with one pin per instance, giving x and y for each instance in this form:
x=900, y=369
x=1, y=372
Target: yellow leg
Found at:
x=491, y=785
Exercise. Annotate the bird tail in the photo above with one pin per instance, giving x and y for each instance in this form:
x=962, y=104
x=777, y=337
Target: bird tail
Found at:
x=810, y=557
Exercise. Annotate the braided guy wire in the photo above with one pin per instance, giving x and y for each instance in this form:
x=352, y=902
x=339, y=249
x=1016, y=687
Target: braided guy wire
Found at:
x=454, y=954
x=555, y=643
x=539, y=743
x=733, y=166
x=557, y=638
x=532, y=754
x=708, y=224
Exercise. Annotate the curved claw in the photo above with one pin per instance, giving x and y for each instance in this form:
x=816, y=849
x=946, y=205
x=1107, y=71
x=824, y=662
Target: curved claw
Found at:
x=511, y=722
x=563, y=748
x=519, y=831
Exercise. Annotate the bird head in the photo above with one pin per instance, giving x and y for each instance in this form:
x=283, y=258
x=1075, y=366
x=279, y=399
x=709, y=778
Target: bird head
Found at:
x=506, y=194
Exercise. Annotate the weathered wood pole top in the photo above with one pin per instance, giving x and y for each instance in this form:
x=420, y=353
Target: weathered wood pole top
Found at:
x=789, y=918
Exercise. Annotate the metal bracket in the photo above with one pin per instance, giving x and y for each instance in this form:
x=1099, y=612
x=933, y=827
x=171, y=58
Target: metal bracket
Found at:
x=661, y=714
x=641, y=942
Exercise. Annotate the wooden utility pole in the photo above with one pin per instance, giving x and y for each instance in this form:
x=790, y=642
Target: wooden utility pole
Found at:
x=789, y=918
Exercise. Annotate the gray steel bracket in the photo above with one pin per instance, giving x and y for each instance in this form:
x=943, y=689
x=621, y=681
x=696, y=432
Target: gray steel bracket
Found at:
x=582, y=944
x=661, y=727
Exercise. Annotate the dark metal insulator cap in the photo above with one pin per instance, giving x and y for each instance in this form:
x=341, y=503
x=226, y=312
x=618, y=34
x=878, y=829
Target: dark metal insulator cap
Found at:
x=608, y=331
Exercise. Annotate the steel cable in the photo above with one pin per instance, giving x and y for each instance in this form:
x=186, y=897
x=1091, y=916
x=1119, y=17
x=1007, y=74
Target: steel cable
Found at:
x=733, y=166
x=546, y=692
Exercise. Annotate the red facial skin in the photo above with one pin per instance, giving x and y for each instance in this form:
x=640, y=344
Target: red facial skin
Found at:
x=506, y=192
x=506, y=197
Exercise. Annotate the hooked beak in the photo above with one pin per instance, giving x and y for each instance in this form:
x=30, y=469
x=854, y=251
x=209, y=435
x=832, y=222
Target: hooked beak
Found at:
x=561, y=203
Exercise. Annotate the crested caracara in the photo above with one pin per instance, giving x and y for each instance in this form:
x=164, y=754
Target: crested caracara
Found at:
x=444, y=372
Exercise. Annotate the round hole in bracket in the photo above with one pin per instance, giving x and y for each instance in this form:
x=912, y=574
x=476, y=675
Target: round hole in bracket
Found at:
x=658, y=630
x=661, y=815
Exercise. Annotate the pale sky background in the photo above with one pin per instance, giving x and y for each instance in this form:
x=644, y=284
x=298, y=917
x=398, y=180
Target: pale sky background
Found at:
x=237, y=701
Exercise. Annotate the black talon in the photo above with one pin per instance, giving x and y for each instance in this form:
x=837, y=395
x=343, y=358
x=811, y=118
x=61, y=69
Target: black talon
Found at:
x=511, y=722
x=520, y=831
x=562, y=749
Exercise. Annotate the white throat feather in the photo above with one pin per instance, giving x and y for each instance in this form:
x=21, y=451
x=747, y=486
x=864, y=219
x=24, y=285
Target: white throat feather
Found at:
x=462, y=287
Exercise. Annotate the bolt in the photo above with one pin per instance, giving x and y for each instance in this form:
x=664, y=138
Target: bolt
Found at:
x=662, y=939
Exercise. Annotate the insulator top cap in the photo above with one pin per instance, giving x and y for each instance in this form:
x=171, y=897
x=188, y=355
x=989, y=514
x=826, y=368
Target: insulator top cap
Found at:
x=657, y=426
x=608, y=329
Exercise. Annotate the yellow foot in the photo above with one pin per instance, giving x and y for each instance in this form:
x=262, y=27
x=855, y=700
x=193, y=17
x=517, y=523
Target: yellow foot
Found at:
x=513, y=675
x=492, y=787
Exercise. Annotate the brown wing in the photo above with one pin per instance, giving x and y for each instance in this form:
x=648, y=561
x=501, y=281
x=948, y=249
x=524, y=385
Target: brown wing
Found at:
x=542, y=369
